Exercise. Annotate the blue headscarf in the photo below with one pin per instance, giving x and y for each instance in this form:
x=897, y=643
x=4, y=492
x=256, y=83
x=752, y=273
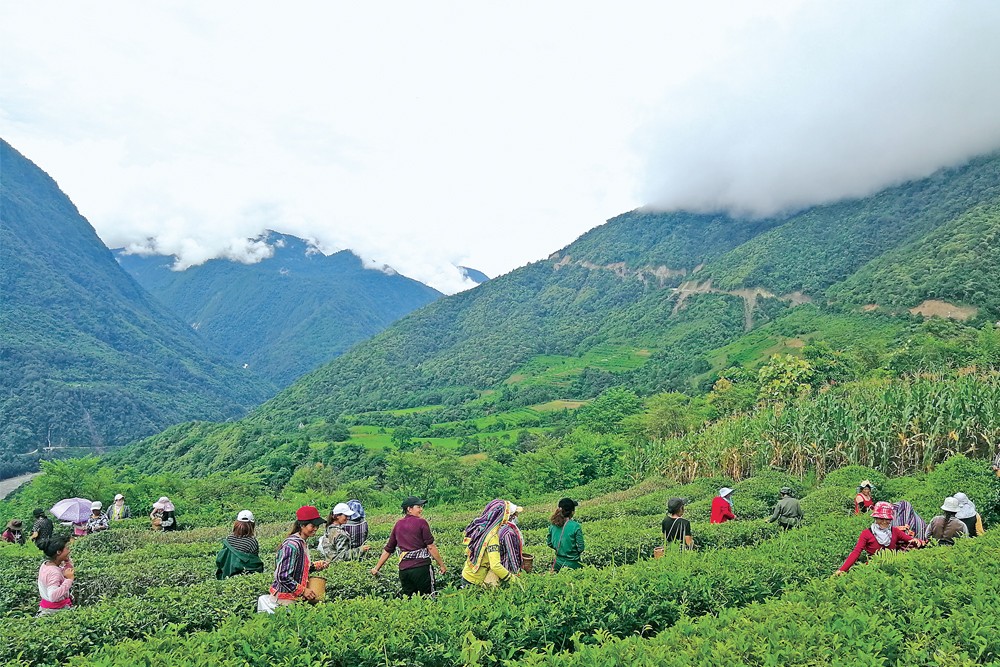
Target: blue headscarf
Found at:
x=356, y=507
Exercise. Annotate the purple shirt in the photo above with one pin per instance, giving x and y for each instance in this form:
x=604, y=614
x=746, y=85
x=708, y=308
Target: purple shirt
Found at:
x=411, y=534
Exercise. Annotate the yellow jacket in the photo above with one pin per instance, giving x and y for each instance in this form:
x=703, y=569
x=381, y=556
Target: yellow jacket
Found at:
x=490, y=564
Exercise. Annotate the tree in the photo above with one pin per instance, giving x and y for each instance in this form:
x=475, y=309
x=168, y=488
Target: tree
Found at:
x=606, y=412
x=784, y=377
x=671, y=414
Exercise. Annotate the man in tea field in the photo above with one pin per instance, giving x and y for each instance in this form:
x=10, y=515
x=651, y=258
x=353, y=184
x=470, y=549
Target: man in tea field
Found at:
x=787, y=512
x=412, y=536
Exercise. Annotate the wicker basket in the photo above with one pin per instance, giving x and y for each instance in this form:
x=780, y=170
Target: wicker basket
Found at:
x=318, y=586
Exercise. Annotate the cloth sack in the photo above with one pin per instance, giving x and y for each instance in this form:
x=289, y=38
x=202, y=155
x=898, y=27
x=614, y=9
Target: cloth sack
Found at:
x=267, y=604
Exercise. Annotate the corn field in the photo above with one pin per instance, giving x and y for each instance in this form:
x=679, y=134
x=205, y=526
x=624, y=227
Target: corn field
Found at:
x=898, y=427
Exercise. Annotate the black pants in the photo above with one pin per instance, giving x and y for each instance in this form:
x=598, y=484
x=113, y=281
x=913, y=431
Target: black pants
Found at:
x=416, y=580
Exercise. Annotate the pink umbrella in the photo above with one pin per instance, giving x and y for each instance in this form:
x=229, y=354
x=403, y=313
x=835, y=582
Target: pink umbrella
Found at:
x=74, y=510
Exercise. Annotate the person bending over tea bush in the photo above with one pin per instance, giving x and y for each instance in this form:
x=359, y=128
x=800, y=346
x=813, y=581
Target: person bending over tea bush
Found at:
x=336, y=543
x=484, y=552
x=968, y=515
x=946, y=527
x=787, y=512
x=722, y=506
x=880, y=535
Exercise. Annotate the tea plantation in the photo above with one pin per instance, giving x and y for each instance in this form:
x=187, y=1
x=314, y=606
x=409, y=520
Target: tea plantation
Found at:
x=751, y=594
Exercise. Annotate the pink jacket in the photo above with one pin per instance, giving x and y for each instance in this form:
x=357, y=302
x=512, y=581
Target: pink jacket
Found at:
x=53, y=586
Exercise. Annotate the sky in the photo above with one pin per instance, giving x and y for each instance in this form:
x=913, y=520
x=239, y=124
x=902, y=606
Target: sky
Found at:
x=434, y=134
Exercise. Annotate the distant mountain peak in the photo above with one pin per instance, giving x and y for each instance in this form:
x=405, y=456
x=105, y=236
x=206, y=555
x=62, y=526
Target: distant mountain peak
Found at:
x=474, y=275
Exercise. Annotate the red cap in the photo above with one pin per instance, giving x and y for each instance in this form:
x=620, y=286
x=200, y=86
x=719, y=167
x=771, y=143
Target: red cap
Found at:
x=307, y=513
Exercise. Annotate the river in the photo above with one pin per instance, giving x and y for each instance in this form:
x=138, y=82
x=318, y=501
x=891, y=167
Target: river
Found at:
x=7, y=486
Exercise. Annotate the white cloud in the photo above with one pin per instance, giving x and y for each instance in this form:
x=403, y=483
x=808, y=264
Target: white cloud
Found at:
x=425, y=135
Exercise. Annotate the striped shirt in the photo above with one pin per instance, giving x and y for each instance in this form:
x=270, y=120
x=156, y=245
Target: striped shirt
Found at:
x=291, y=572
x=358, y=530
x=247, y=545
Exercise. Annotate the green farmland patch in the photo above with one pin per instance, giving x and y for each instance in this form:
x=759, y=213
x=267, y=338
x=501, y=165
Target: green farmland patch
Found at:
x=559, y=370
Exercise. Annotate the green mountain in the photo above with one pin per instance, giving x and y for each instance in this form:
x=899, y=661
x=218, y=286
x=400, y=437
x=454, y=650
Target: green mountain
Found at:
x=284, y=315
x=87, y=357
x=673, y=285
x=654, y=301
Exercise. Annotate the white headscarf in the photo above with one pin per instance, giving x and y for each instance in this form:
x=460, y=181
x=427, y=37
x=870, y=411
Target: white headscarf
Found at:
x=966, y=508
x=883, y=537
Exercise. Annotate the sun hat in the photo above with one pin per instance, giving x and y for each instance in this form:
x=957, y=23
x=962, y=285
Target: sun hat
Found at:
x=246, y=516
x=950, y=505
x=96, y=505
x=15, y=524
x=864, y=484
x=568, y=504
x=309, y=514
x=882, y=510
x=725, y=491
x=165, y=503
x=119, y=497
x=675, y=505
x=967, y=508
x=345, y=509
x=412, y=501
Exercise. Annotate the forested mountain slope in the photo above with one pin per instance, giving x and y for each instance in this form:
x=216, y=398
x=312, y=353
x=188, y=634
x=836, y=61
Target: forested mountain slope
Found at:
x=284, y=315
x=612, y=287
x=87, y=357
x=641, y=302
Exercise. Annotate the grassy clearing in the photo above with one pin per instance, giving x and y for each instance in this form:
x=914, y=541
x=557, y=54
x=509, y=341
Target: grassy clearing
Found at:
x=559, y=370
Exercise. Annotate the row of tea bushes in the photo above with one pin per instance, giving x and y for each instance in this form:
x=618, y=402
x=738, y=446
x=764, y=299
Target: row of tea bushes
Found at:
x=561, y=611
x=932, y=607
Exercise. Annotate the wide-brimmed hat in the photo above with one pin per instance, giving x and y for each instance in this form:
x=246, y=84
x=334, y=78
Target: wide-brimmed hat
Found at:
x=165, y=503
x=725, y=491
x=345, y=509
x=966, y=508
x=864, y=484
x=882, y=510
x=309, y=514
x=15, y=524
x=950, y=504
x=412, y=501
x=245, y=516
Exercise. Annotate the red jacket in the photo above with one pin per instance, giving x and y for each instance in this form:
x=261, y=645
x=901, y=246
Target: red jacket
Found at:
x=867, y=542
x=722, y=511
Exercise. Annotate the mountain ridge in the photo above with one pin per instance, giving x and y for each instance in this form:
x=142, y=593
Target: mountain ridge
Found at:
x=286, y=314
x=88, y=357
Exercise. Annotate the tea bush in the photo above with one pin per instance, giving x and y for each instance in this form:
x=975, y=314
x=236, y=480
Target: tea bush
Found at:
x=565, y=610
x=922, y=608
